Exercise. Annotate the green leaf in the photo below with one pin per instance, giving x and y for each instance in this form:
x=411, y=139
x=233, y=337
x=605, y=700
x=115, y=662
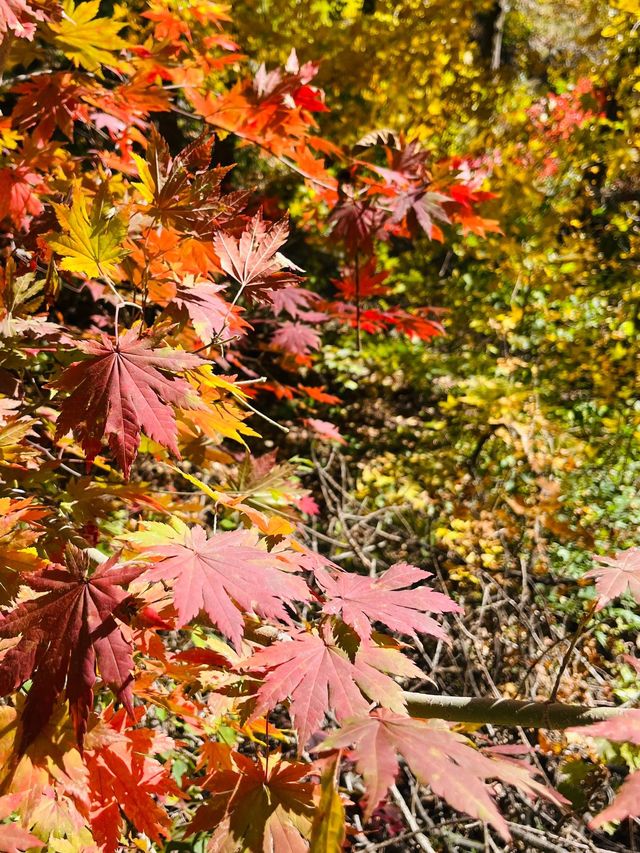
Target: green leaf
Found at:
x=92, y=236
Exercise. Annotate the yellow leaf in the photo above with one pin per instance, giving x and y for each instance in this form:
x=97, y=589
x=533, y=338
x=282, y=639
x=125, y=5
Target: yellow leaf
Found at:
x=146, y=185
x=215, y=496
x=92, y=238
x=209, y=378
x=86, y=40
x=328, y=830
x=152, y=533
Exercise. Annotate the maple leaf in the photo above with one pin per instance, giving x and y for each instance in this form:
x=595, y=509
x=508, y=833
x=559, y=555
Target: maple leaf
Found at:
x=419, y=208
x=50, y=101
x=122, y=389
x=86, y=40
x=406, y=161
x=18, y=195
x=225, y=575
x=93, y=235
x=217, y=415
x=74, y=625
x=297, y=338
x=124, y=777
x=212, y=317
x=325, y=430
x=18, y=16
x=367, y=283
x=474, y=224
x=319, y=394
x=616, y=575
x=183, y=191
x=389, y=599
x=308, y=505
x=439, y=757
x=357, y=222
x=217, y=418
x=318, y=675
x=296, y=302
x=413, y=325
x=257, y=806
x=624, y=728
x=13, y=837
x=168, y=25
x=275, y=110
x=253, y=260
x=626, y=803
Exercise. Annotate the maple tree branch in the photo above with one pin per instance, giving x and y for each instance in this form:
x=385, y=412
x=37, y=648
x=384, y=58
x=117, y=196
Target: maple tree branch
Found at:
x=280, y=157
x=506, y=712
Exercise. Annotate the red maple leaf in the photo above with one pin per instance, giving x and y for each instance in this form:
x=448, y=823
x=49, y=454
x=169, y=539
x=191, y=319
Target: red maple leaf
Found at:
x=121, y=390
x=183, y=191
x=356, y=221
x=361, y=600
x=49, y=102
x=319, y=394
x=226, y=575
x=297, y=338
x=254, y=261
x=616, y=575
x=296, y=301
x=75, y=625
x=363, y=284
x=319, y=675
x=419, y=208
x=440, y=758
x=125, y=778
x=257, y=805
x=18, y=195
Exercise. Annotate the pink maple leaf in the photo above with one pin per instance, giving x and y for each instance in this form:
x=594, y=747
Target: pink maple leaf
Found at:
x=225, y=575
x=318, y=675
x=440, y=758
x=254, y=260
x=296, y=338
x=361, y=600
x=325, y=430
x=617, y=575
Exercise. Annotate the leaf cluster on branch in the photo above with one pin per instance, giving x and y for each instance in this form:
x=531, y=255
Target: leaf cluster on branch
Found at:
x=172, y=653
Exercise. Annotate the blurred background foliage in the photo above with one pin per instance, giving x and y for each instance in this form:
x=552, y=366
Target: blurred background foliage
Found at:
x=510, y=447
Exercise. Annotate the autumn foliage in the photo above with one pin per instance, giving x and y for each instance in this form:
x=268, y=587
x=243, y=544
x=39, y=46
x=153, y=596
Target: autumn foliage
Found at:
x=176, y=662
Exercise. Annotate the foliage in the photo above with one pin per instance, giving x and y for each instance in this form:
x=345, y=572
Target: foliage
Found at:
x=189, y=648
